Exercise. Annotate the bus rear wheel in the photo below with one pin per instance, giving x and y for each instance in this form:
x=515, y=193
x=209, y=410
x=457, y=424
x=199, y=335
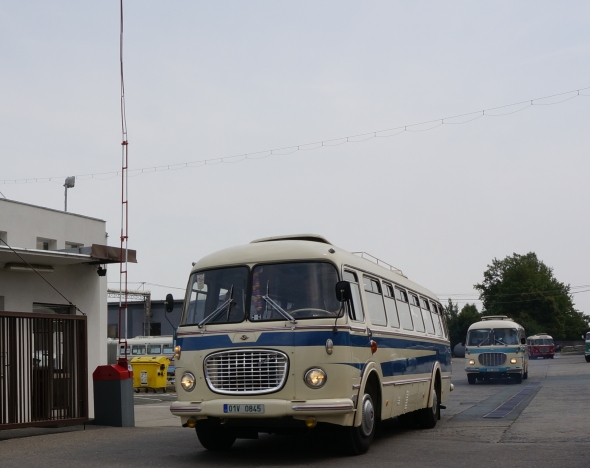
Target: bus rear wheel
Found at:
x=429, y=416
x=214, y=437
x=360, y=437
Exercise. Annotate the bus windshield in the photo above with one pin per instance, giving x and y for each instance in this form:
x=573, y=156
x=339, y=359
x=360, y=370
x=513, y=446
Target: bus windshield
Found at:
x=300, y=290
x=492, y=336
x=219, y=293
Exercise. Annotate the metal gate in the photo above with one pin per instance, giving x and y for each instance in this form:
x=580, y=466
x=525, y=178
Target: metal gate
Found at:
x=43, y=370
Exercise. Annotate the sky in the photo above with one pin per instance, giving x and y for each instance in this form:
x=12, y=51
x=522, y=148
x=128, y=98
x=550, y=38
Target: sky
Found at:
x=212, y=80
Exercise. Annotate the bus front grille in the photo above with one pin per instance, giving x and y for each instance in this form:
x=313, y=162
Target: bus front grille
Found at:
x=246, y=371
x=492, y=359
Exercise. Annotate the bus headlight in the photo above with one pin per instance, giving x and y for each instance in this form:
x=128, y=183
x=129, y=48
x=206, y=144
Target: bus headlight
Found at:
x=188, y=381
x=315, y=378
x=513, y=361
x=471, y=362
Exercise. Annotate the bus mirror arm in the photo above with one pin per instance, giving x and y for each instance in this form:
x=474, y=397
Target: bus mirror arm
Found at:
x=523, y=341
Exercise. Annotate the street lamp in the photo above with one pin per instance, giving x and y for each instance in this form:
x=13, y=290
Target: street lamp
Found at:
x=70, y=182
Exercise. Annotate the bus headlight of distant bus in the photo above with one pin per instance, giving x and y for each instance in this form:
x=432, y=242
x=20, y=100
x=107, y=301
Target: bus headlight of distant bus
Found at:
x=471, y=362
x=188, y=381
x=513, y=361
x=315, y=378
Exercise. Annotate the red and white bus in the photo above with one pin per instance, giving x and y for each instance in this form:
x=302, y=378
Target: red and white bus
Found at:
x=541, y=346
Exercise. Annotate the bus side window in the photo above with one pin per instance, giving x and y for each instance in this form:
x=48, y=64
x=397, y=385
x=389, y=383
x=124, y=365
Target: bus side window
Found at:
x=436, y=319
x=355, y=306
x=416, y=314
x=443, y=321
x=154, y=349
x=138, y=350
x=374, y=301
x=390, y=305
x=426, y=316
x=168, y=349
x=401, y=300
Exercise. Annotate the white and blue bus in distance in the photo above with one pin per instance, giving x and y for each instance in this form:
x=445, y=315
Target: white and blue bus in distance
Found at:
x=287, y=333
x=496, y=348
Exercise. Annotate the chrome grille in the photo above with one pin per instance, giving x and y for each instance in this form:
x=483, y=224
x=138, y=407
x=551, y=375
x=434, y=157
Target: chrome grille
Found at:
x=492, y=359
x=246, y=371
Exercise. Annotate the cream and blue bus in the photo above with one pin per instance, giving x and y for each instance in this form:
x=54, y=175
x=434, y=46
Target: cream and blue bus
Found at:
x=287, y=333
x=496, y=348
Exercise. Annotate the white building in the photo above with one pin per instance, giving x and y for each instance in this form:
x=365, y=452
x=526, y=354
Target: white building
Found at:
x=67, y=249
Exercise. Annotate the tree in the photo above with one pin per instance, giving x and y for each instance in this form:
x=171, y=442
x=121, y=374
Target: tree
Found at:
x=523, y=288
x=459, y=322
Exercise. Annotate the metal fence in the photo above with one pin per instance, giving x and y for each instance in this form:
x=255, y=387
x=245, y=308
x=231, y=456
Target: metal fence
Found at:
x=43, y=370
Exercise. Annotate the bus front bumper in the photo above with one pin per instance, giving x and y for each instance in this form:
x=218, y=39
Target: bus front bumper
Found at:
x=339, y=411
x=493, y=371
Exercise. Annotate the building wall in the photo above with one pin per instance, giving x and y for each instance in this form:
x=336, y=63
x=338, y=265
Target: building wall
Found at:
x=80, y=283
x=135, y=316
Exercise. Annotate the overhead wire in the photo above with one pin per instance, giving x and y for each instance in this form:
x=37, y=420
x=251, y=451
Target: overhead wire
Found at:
x=286, y=150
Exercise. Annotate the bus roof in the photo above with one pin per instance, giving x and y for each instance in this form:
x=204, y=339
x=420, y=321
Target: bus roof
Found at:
x=495, y=324
x=540, y=335
x=301, y=247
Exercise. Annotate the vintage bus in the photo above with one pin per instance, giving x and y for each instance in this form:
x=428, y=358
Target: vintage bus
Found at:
x=586, y=339
x=289, y=332
x=140, y=346
x=541, y=346
x=496, y=348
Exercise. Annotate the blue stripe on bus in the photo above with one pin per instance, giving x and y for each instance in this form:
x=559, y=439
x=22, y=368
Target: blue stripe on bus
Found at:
x=405, y=366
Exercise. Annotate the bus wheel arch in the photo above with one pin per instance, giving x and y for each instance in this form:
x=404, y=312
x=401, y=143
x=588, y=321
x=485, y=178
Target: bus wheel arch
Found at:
x=361, y=434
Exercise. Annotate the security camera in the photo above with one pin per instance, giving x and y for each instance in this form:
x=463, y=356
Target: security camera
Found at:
x=101, y=271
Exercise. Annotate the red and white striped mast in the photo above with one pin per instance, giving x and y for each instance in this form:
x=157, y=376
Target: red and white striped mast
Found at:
x=123, y=258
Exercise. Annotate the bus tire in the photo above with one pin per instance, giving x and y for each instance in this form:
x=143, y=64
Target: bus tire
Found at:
x=525, y=375
x=471, y=379
x=213, y=437
x=360, y=437
x=588, y=358
x=428, y=417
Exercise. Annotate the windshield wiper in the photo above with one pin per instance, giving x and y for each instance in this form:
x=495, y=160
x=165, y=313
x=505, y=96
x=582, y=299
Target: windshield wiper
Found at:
x=279, y=309
x=223, y=307
x=487, y=338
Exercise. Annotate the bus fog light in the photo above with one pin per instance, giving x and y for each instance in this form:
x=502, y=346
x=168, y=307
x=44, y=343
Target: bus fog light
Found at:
x=191, y=423
x=513, y=361
x=471, y=362
x=315, y=378
x=188, y=381
x=311, y=422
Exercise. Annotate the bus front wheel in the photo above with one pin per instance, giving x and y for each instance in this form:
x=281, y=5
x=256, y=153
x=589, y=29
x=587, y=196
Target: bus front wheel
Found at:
x=214, y=437
x=587, y=358
x=360, y=437
x=471, y=378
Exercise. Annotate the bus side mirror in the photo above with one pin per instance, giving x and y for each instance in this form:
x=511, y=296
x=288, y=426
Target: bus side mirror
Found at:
x=169, y=303
x=343, y=292
x=522, y=341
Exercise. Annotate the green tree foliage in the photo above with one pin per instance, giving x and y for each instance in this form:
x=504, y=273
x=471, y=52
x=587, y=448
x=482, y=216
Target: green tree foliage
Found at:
x=524, y=288
x=459, y=322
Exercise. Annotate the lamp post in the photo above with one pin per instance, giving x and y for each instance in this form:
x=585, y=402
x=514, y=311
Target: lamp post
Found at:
x=70, y=182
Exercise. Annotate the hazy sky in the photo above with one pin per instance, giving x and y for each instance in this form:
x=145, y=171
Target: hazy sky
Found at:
x=215, y=79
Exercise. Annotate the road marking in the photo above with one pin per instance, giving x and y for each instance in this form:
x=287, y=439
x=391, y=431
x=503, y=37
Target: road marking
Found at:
x=509, y=405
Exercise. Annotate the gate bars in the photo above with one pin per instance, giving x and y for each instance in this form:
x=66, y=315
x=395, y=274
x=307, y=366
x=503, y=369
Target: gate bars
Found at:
x=43, y=370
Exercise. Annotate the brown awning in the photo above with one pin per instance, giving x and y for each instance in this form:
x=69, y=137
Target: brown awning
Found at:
x=108, y=254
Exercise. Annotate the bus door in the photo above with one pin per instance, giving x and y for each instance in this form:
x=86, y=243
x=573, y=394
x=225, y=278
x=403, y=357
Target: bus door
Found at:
x=360, y=348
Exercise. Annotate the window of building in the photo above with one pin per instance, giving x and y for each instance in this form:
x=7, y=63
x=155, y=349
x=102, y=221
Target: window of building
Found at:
x=40, y=308
x=155, y=329
x=374, y=301
x=389, y=298
x=355, y=305
x=46, y=244
x=403, y=308
x=73, y=245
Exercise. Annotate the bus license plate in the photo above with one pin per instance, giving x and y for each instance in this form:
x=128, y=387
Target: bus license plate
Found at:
x=243, y=409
